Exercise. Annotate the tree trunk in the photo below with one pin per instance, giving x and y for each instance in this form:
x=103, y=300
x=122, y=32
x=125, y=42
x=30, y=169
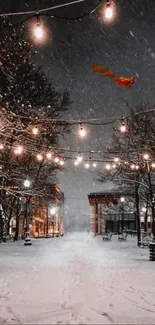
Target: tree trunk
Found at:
x=1, y=226
x=146, y=214
x=17, y=221
x=137, y=215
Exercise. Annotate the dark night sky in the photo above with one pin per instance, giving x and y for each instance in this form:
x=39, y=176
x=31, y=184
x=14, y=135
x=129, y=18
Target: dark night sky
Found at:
x=126, y=46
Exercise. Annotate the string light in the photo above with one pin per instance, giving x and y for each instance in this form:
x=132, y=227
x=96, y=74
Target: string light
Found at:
x=79, y=158
x=35, y=131
x=76, y=162
x=18, y=150
x=49, y=155
x=108, y=10
x=146, y=156
x=61, y=162
x=38, y=29
x=108, y=166
x=116, y=159
x=57, y=159
x=123, y=127
x=40, y=157
x=82, y=131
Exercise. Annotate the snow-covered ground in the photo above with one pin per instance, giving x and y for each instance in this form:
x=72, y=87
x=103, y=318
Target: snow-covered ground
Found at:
x=76, y=280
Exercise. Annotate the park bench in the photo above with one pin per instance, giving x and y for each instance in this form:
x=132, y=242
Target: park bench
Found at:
x=122, y=237
x=145, y=241
x=107, y=236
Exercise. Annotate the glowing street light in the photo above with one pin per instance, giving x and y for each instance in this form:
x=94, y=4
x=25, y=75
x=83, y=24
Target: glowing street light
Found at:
x=108, y=166
x=76, y=162
x=79, y=158
x=123, y=128
x=49, y=155
x=122, y=199
x=27, y=183
x=40, y=157
x=53, y=210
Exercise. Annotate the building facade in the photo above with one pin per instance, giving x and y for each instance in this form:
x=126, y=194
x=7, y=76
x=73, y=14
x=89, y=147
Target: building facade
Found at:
x=111, y=212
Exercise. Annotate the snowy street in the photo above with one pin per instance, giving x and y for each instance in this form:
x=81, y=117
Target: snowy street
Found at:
x=76, y=279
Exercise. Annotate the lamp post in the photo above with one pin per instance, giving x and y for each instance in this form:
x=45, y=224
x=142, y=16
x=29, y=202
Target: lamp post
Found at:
x=47, y=234
x=146, y=157
x=122, y=201
x=28, y=241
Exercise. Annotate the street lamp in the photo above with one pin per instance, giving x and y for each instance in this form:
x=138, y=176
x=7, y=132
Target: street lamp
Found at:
x=28, y=241
x=122, y=199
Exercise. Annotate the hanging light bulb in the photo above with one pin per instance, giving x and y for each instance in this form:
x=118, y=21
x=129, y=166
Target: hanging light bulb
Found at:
x=57, y=159
x=123, y=127
x=108, y=166
x=87, y=165
x=79, y=158
x=76, y=162
x=18, y=150
x=38, y=29
x=61, y=162
x=116, y=159
x=146, y=156
x=108, y=10
x=82, y=131
x=40, y=157
x=49, y=155
x=35, y=130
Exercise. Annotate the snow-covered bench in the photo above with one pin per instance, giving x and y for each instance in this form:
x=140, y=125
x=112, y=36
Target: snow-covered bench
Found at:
x=107, y=236
x=123, y=237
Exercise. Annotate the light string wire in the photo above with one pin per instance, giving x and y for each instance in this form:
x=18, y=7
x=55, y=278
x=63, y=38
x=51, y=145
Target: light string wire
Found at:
x=42, y=12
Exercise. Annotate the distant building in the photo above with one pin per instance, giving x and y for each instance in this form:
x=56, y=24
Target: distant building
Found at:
x=111, y=211
x=39, y=219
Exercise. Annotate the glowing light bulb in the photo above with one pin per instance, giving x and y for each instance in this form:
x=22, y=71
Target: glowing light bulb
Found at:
x=35, y=130
x=18, y=150
x=26, y=183
x=153, y=165
x=49, y=155
x=137, y=167
x=79, y=158
x=82, y=131
x=94, y=164
x=61, y=162
x=122, y=199
x=113, y=166
x=39, y=157
x=108, y=10
x=76, y=162
x=146, y=156
x=108, y=166
x=38, y=31
x=123, y=128
x=87, y=165
x=116, y=159
x=1, y=146
x=56, y=159
x=132, y=166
